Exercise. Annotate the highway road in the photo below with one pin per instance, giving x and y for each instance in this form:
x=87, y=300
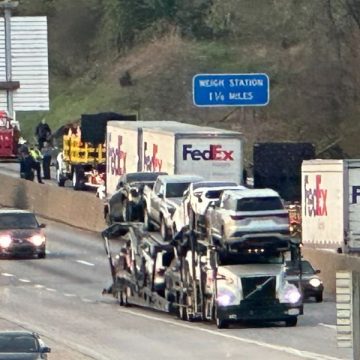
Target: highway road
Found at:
x=60, y=297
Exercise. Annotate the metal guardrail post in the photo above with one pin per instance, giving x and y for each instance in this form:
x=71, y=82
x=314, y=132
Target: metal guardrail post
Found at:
x=356, y=314
x=348, y=311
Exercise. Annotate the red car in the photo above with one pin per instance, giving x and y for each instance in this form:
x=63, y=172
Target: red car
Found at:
x=21, y=234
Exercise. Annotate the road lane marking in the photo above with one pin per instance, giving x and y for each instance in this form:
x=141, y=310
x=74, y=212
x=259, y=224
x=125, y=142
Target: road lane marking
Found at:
x=86, y=300
x=7, y=274
x=38, y=286
x=25, y=280
x=328, y=326
x=289, y=350
x=50, y=289
x=85, y=263
x=69, y=295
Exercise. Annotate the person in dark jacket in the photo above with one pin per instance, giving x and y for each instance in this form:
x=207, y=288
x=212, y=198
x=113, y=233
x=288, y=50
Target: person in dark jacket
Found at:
x=46, y=152
x=27, y=164
x=42, y=133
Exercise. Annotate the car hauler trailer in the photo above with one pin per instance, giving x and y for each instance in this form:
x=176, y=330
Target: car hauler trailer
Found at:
x=331, y=205
x=194, y=279
x=172, y=147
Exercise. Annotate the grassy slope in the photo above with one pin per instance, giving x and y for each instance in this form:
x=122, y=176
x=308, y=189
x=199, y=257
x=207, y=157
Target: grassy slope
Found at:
x=162, y=73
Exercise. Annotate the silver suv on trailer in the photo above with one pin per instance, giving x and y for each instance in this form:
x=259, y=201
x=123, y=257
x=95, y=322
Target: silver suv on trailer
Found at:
x=247, y=215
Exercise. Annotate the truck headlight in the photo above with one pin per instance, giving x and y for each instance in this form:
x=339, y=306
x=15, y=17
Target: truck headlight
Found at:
x=315, y=282
x=290, y=294
x=227, y=296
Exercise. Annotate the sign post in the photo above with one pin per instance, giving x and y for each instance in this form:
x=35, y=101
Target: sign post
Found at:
x=231, y=90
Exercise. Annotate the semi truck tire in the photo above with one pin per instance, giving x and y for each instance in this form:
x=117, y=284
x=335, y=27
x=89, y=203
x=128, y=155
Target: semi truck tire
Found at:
x=78, y=178
x=59, y=179
x=290, y=322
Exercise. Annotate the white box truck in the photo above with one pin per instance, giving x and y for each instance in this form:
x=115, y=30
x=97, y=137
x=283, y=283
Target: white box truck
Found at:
x=173, y=147
x=331, y=204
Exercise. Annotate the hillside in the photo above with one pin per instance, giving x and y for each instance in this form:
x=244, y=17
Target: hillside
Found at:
x=309, y=49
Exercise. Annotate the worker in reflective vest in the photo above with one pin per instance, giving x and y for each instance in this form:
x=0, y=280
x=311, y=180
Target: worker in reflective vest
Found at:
x=36, y=154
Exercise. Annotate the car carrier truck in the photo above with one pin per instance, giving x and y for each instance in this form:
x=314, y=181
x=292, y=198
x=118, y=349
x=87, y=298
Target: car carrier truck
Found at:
x=195, y=280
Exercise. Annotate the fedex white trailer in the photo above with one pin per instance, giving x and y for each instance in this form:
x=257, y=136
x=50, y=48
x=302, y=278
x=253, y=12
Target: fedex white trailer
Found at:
x=331, y=204
x=173, y=147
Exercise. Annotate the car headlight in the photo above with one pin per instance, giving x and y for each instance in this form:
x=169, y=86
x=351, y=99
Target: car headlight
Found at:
x=5, y=241
x=290, y=294
x=315, y=282
x=37, y=239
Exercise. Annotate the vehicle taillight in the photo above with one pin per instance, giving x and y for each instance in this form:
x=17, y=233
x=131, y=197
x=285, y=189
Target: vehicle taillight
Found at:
x=5, y=241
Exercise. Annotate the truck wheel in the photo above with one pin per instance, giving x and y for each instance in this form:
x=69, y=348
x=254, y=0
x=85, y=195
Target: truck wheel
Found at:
x=319, y=298
x=78, y=178
x=290, y=322
x=60, y=180
x=220, y=323
x=147, y=224
x=163, y=229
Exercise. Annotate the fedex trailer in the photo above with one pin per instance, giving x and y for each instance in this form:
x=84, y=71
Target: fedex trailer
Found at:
x=331, y=204
x=175, y=148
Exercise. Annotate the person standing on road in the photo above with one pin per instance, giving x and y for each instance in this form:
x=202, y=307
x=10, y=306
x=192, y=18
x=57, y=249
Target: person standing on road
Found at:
x=42, y=133
x=27, y=164
x=36, y=155
x=46, y=152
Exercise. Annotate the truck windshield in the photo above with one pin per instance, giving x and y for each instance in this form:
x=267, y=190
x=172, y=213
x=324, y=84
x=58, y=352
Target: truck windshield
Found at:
x=259, y=204
x=176, y=189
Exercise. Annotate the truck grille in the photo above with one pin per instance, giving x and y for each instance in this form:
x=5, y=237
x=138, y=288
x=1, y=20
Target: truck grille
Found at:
x=260, y=288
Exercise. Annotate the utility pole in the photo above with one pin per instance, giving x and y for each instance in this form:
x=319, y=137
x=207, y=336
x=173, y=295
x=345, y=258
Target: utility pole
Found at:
x=8, y=85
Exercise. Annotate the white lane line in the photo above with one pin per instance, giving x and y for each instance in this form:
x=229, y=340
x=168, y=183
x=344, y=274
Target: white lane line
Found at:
x=69, y=295
x=38, y=286
x=25, y=280
x=85, y=263
x=7, y=274
x=289, y=350
x=328, y=326
x=50, y=289
x=86, y=300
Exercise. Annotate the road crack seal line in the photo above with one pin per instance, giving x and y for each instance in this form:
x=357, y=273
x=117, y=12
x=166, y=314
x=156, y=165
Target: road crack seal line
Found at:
x=301, y=353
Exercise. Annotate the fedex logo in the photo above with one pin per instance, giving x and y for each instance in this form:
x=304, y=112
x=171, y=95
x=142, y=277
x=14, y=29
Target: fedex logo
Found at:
x=152, y=162
x=315, y=198
x=215, y=152
x=116, y=164
x=355, y=193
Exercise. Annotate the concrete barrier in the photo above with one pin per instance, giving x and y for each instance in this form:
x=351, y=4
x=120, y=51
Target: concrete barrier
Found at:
x=329, y=263
x=80, y=209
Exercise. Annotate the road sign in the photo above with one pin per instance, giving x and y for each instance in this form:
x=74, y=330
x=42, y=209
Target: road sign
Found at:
x=231, y=90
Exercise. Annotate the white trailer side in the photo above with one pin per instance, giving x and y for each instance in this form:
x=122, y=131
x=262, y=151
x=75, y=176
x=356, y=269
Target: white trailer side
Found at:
x=324, y=197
